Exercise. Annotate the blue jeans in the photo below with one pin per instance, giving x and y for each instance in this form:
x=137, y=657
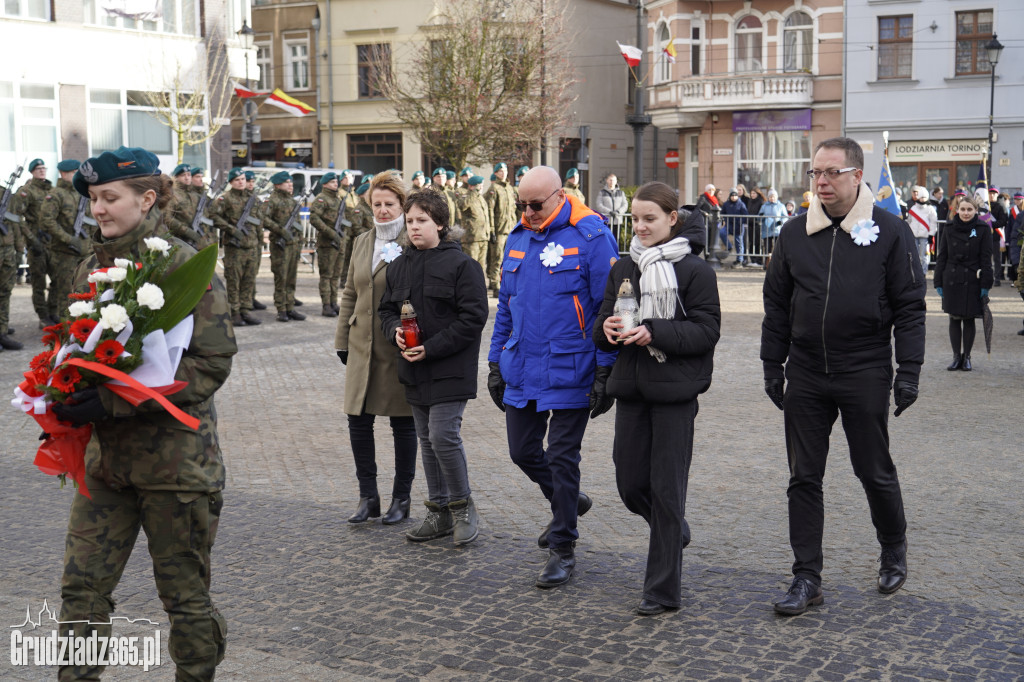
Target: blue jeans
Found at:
x=444, y=458
x=736, y=230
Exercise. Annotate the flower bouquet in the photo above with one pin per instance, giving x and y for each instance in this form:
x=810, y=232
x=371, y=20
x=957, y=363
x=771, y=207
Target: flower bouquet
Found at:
x=128, y=333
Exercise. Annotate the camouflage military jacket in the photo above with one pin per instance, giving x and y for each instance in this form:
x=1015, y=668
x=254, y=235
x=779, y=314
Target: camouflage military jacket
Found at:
x=144, y=446
x=226, y=211
x=57, y=218
x=276, y=211
x=476, y=224
x=575, y=192
x=361, y=218
x=501, y=198
x=14, y=236
x=31, y=196
x=323, y=214
x=349, y=197
x=180, y=213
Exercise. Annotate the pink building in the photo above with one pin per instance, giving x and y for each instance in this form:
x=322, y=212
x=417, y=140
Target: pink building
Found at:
x=753, y=88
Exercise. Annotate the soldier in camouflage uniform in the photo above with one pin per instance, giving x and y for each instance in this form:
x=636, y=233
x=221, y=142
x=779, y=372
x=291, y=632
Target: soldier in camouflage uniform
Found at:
x=180, y=213
x=57, y=217
x=285, y=245
x=144, y=469
x=501, y=200
x=419, y=182
x=476, y=224
x=239, y=248
x=438, y=184
x=257, y=212
x=11, y=245
x=325, y=213
x=572, y=185
x=31, y=196
x=361, y=218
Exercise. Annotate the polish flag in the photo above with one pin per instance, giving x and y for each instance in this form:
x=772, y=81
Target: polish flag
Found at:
x=243, y=92
x=631, y=54
x=293, y=106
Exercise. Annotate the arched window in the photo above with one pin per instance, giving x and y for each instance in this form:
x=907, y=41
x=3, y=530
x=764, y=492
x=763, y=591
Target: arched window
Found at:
x=797, y=44
x=664, y=63
x=749, y=33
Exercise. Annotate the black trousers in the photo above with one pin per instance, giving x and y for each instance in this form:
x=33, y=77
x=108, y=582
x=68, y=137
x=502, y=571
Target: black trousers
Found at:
x=364, y=452
x=557, y=469
x=652, y=453
x=812, y=402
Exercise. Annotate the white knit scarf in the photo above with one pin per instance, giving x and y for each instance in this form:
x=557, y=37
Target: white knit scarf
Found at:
x=658, y=285
x=384, y=233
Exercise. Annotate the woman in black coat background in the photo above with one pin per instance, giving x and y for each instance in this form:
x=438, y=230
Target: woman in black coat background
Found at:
x=662, y=366
x=964, y=249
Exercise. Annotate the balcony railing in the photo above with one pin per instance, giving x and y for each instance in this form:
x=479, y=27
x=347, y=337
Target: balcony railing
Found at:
x=747, y=91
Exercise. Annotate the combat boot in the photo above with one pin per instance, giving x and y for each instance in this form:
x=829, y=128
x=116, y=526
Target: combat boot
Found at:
x=296, y=315
x=328, y=311
x=282, y=316
x=256, y=305
x=466, y=521
x=558, y=570
x=237, y=321
x=8, y=343
x=438, y=523
x=250, y=319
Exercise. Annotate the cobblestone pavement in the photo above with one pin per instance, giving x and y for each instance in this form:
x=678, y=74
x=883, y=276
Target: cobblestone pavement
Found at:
x=309, y=596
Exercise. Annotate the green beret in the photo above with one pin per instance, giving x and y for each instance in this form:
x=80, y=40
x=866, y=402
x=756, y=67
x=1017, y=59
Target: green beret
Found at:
x=450, y=175
x=250, y=175
x=361, y=190
x=327, y=178
x=439, y=171
x=417, y=174
x=125, y=163
x=181, y=168
x=68, y=165
x=522, y=171
x=197, y=171
x=476, y=180
x=33, y=163
x=493, y=177
x=465, y=171
x=500, y=166
x=571, y=173
x=278, y=178
x=234, y=173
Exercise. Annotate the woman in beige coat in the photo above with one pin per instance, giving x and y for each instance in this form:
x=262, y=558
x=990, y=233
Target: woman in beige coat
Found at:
x=371, y=381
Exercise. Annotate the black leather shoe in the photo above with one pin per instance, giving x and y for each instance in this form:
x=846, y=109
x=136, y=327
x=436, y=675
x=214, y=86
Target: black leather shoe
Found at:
x=558, y=570
x=966, y=366
x=802, y=593
x=296, y=315
x=250, y=320
x=958, y=361
x=369, y=507
x=256, y=305
x=650, y=608
x=398, y=511
x=1020, y=332
x=583, y=505
x=893, y=571
x=7, y=343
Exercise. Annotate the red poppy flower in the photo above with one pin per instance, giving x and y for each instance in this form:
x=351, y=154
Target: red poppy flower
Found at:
x=42, y=360
x=82, y=327
x=109, y=351
x=87, y=296
x=65, y=378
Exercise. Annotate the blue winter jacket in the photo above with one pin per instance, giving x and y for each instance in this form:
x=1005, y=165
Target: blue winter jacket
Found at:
x=542, y=330
x=775, y=214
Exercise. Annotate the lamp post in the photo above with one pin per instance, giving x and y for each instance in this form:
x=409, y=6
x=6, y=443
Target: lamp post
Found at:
x=246, y=36
x=319, y=80
x=994, y=49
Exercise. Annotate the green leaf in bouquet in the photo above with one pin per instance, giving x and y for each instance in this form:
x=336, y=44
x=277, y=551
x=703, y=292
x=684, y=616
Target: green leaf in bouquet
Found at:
x=183, y=288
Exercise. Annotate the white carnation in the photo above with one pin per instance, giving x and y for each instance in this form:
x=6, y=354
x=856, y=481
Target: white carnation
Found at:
x=113, y=317
x=98, y=276
x=151, y=296
x=157, y=244
x=123, y=263
x=81, y=308
x=116, y=274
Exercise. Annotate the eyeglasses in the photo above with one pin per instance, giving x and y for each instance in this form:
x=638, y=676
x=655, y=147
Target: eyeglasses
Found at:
x=534, y=205
x=830, y=174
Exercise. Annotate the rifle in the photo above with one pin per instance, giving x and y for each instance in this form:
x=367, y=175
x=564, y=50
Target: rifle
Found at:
x=198, y=220
x=340, y=222
x=295, y=212
x=246, y=219
x=6, y=201
x=81, y=218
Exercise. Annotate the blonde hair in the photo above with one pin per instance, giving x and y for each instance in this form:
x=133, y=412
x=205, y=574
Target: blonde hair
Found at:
x=390, y=182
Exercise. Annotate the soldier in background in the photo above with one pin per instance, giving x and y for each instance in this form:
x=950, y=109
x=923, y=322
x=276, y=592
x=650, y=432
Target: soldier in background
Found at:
x=476, y=224
x=12, y=243
x=361, y=218
x=453, y=197
x=239, y=249
x=501, y=202
x=515, y=188
x=572, y=185
x=31, y=196
x=257, y=212
x=325, y=214
x=419, y=181
x=181, y=211
x=346, y=190
x=57, y=216
x=284, y=246
x=198, y=177
x=438, y=184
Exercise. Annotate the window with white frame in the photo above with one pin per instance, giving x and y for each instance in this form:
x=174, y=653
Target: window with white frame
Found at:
x=665, y=39
x=776, y=160
x=296, y=64
x=797, y=42
x=28, y=122
x=695, y=49
x=264, y=60
x=118, y=117
x=180, y=17
x=26, y=9
x=749, y=41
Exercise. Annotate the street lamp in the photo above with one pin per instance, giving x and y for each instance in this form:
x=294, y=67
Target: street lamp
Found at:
x=994, y=49
x=246, y=36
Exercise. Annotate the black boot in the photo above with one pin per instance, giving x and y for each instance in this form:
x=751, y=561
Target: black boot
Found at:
x=966, y=366
x=369, y=507
x=583, y=505
x=398, y=511
x=256, y=305
x=558, y=570
x=958, y=361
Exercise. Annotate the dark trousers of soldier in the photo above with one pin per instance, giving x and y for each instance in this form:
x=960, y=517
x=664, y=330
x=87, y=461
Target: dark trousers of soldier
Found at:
x=364, y=452
x=652, y=452
x=997, y=257
x=812, y=402
x=180, y=528
x=62, y=275
x=284, y=263
x=557, y=469
x=495, y=252
x=8, y=271
x=240, y=277
x=38, y=268
x=329, y=262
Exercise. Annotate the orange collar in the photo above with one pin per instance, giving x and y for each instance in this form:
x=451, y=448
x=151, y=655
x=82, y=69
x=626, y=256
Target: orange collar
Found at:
x=544, y=225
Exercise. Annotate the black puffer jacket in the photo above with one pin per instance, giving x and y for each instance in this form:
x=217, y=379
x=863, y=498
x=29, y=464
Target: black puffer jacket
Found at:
x=446, y=288
x=963, y=250
x=688, y=339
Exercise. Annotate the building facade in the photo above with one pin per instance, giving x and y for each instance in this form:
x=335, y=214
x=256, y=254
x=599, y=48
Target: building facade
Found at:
x=79, y=80
x=921, y=72
x=754, y=86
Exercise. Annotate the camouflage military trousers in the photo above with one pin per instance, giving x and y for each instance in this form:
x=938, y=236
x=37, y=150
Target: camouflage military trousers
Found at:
x=240, y=265
x=8, y=271
x=180, y=528
x=284, y=263
x=38, y=268
x=330, y=262
x=62, y=275
x=478, y=251
x=258, y=255
x=495, y=252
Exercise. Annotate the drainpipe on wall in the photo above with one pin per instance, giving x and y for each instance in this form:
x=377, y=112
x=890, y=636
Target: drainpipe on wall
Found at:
x=328, y=55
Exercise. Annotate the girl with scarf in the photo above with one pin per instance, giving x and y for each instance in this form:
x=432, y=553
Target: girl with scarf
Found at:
x=371, y=380
x=663, y=364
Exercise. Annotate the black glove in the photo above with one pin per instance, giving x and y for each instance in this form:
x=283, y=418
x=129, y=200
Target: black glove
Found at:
x=905, y=393
x=776, y=389
x=82, y=407
x=600, y=401
x=493, y=238
x=343, y=356
x=496, y=385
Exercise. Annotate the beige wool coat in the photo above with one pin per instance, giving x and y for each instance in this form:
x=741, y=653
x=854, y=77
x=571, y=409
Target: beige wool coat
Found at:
x=371, y=375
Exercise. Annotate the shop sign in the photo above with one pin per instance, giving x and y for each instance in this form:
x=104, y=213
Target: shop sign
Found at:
x=771, y=120
x=936, y=150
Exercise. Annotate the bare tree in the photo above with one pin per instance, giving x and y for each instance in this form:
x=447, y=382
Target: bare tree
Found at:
x=487, y=80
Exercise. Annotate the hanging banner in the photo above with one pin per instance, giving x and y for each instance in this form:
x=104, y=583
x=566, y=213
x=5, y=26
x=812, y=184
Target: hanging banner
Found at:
x=772, y=120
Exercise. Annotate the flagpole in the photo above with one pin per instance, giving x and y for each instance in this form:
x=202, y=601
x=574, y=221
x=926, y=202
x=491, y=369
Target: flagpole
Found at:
x=638, y=120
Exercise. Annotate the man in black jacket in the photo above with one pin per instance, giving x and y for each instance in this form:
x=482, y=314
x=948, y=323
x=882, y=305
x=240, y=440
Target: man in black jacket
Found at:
x=1000, y=223
x=843, y=278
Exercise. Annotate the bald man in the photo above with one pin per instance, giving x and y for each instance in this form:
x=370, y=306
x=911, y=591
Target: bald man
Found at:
x=542, y=360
